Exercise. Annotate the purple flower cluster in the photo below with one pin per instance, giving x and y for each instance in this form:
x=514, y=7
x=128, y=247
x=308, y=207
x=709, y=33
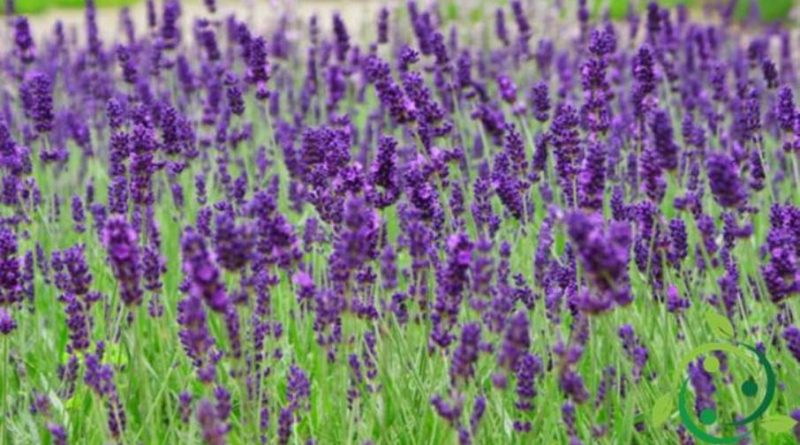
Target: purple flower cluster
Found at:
x=322, y=225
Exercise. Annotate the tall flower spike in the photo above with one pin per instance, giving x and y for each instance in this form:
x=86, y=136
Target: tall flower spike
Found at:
x=604, y=255
x=10, y=272
x=540, y=101
x=724, y=180
x=592, y=179
x=23, y=41
x=792, y=337
x=195, y=337
x=7, y=323
x=201, y=271
x=785, y=109
x=342, y=38
x=37, y=93
x=664, y=144
x=466, y=355
x=123, y=253
x=214, y=430
x=383, y=26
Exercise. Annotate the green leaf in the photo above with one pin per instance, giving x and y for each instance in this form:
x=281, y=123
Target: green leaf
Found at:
x=618, y=9
x=720, y=325
x=115, y=355
x=772, y=10
x=476, y=15
x=662, y=409
x=451, y=11
x=777, y=423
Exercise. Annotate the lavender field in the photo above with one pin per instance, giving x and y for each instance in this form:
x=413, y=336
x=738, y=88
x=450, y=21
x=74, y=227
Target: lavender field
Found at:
x=505, y=223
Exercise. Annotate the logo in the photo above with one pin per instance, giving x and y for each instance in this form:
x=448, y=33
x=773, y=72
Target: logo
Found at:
x=749, y=389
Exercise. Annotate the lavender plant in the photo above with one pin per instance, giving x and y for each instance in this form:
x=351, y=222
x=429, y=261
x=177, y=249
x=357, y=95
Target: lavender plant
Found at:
x=435, y=230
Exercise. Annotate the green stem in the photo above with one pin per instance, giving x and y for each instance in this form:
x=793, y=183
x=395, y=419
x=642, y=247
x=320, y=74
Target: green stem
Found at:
x=796, y=173
x=6, y=379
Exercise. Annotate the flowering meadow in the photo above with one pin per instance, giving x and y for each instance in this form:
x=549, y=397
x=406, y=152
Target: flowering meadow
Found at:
x=459, y=226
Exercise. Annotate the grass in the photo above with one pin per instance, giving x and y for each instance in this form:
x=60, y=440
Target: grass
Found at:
x=152, y=369
x=32, y=7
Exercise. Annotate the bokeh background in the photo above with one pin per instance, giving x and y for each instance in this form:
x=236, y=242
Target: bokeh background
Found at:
x=765, y=10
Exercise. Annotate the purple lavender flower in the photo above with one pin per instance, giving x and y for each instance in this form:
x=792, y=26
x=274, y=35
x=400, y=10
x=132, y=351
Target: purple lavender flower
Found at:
x=142, y=165
x=214, y=430
x=604, y=255
x=195, y=337
x=591, y=182
x=408, y=56
x=780, y=272
x=540, y=101
x=233, y=243
x=785, y=109
x=530, y=367
x=451, y=282
x=567, y=146
x=342, y=38
x=285, y=421
x=298, y=388
x=95, y=45
x=185, y=401
x=75, y=277
x=77, y=323
x=516, y=342
x=25, y=47
x=466, y=355
x=120, y=241
x=792, y=337
x=796, y=430
x=100, y=378
x=724, y=180
x=383, y=177
x=234, y=93
x=37, y=91
x=10, y=272
x=571, y=383
x=663, y=142
x=644, y=74
x=128, y=64
x=770, y=73
x=676, y=304
x=78, y=215
x=170, y=32
x=523, y=26
x=383, y=26
x=449, y=411
x=500, y=29
x=703, y=384
x=679, y=248
x=57, y=433
x=7, y=323
x=507, y=186
x=508, y=90
x=634, y=350
x=201, y=272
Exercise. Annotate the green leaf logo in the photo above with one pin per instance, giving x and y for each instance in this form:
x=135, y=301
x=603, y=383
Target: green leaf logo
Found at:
x=720, y=325
x=662, y=409
x=777, y=423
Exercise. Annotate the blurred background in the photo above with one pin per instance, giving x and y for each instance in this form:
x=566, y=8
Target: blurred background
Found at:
x=766, y=10
x=360, y=14
x=43, y=14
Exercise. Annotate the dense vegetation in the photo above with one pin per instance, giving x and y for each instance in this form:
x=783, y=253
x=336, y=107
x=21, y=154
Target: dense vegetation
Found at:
x=452, y=229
